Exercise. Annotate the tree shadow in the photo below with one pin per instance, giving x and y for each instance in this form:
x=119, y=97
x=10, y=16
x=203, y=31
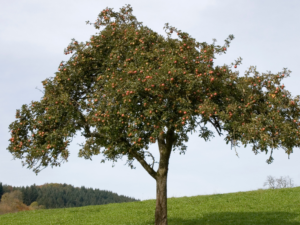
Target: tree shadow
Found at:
x=239, y=218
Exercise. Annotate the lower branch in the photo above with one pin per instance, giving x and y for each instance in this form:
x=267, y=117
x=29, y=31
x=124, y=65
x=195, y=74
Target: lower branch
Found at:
x=146, y=166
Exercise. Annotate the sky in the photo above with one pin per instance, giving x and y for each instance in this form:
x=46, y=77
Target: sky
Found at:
x=34, y=33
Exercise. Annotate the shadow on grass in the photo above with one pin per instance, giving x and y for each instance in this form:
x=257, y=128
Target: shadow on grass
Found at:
x=243, y=218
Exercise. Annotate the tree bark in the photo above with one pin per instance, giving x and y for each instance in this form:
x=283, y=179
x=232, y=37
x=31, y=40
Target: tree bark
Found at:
x=165, y=148
x=161, y=200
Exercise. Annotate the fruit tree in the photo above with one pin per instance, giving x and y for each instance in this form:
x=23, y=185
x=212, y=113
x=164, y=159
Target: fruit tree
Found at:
x=129, y=87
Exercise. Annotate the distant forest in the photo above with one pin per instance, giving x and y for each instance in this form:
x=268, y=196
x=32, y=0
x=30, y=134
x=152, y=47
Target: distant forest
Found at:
x=56, y=195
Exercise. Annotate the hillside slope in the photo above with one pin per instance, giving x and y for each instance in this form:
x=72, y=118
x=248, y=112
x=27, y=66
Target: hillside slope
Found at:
x=276, y=207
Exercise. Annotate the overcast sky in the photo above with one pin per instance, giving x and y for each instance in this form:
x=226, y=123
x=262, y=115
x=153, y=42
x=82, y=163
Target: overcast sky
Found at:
x=34, y=33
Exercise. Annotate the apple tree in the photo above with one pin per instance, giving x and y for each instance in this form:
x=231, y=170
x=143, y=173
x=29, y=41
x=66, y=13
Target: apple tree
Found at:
x=129, y=87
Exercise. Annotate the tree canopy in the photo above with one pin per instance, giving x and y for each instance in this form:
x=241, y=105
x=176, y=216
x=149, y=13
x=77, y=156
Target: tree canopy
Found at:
x=129, y=87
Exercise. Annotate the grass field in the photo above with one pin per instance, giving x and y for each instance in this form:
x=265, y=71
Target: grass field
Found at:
x=269, y=207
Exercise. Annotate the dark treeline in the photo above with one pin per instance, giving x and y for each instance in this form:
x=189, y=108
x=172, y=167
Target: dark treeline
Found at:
x=63, y=195
x=1, y=190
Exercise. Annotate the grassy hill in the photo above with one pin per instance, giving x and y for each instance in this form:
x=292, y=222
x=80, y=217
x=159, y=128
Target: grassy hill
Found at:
x=270, y=207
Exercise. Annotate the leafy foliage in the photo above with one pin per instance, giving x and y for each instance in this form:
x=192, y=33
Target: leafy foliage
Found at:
x=12, y=202
x=128, y=87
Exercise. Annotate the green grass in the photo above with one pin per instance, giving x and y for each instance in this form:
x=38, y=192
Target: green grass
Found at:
x=270, y=207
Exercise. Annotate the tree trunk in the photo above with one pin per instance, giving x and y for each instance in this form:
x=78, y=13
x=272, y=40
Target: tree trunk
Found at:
x=165, y=148
x=161, y=199
x=160, y=176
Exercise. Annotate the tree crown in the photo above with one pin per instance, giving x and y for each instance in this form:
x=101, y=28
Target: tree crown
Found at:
x=128, y=86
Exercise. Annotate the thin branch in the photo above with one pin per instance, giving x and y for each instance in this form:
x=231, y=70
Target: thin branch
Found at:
x=147, y=152
x=40, y=90
x=216, y=125
x=141, y=160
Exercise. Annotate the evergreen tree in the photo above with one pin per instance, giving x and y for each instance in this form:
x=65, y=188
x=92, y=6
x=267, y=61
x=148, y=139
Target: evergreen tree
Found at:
x=1, y=190
x=26, y=197
x=129, y=87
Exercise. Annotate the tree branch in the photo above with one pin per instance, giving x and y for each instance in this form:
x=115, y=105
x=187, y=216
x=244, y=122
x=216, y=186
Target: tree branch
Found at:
x=170, y=138
x=141, y=160
x=216, y=125
x=147, y=152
